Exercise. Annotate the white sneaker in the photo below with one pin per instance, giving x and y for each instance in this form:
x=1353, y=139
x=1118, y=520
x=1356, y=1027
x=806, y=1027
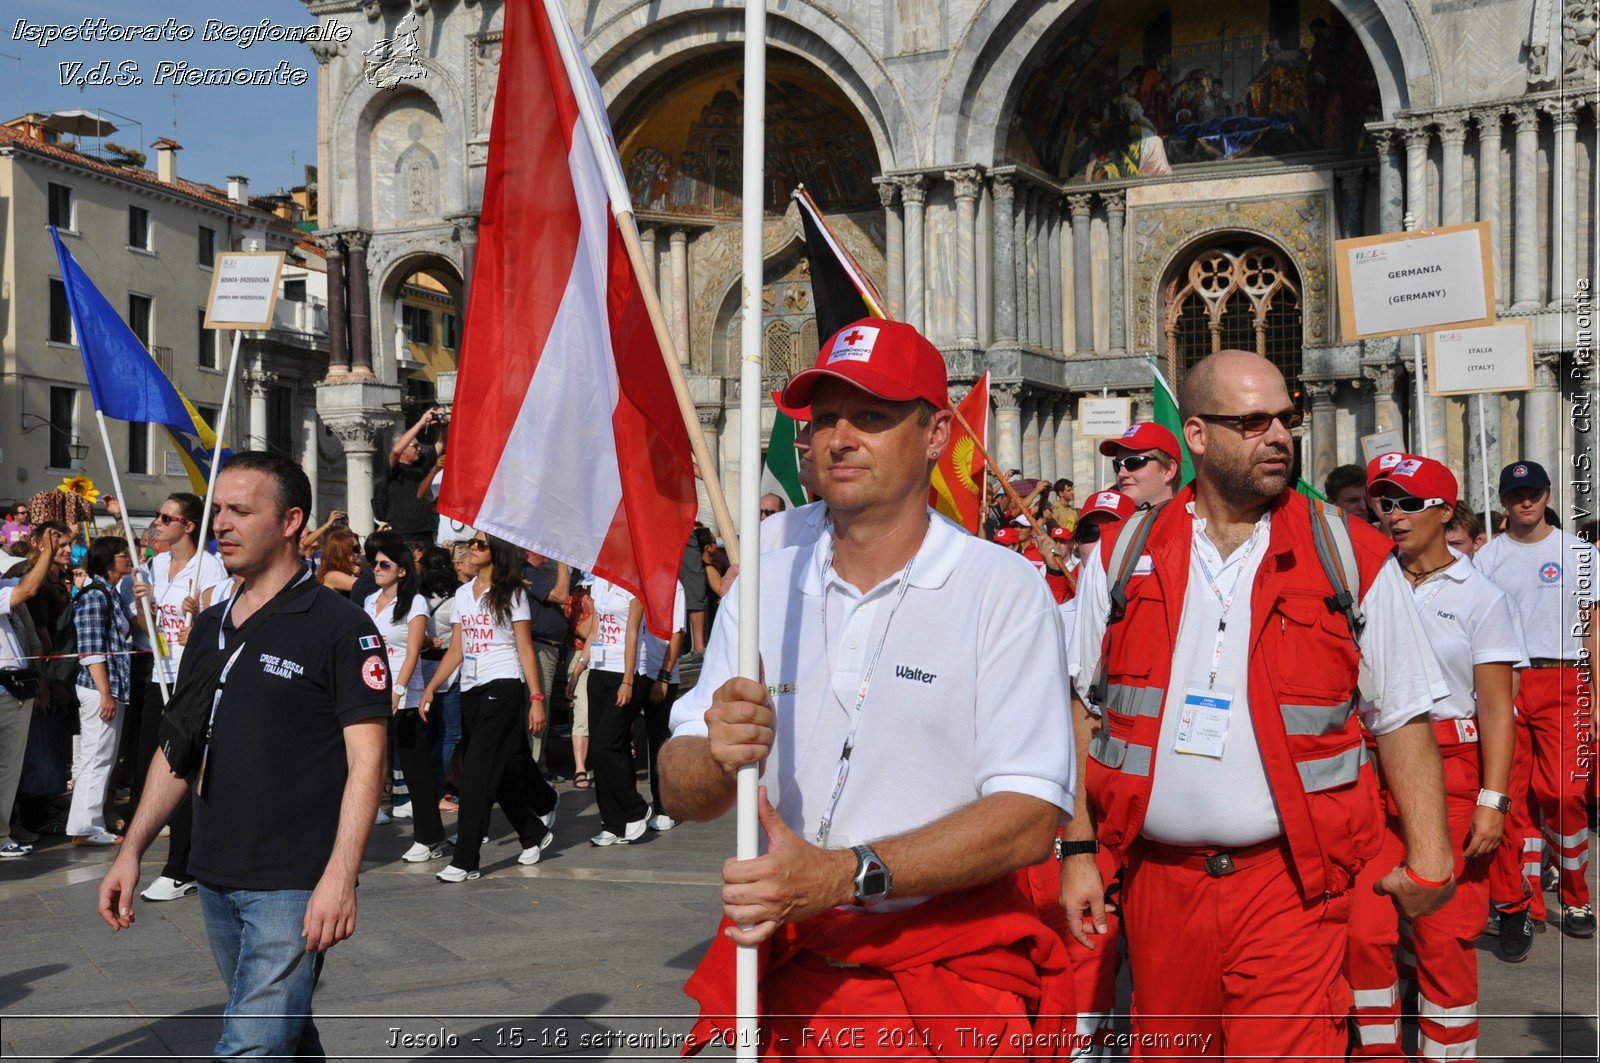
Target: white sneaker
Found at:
x=11, y=850
x=381, y=818
x=99, y=838
x=662, y=822
x=166, y=888
x=455, y=874
x=635, y=830
x=549, y=818
x=419, y=852
x=605, y=837
x=401, y=811
x=531, y=854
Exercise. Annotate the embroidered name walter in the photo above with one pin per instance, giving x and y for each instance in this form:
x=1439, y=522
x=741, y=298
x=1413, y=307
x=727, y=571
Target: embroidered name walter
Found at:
x=916, y=675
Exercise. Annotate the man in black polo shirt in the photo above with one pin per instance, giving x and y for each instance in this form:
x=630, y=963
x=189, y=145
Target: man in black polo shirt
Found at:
x=290, y=784
x=549, y=586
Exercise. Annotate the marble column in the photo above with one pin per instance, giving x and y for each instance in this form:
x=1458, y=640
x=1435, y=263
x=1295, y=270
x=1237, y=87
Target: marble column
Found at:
x=710, y=418
x=1036, y=337
x=1019, y=247
x=1352, y=184
x=258, y=382
x=310, y=429
x=1477, y=458
x=360, y=441
x=1049, y=410
x=895, y=249
x=1564, y=201
x=1063, y=440
x=914, y=192
x=1452, y=145
x=1488, y=123
x=966, y=183
x=360, y=305
x=338, y=349
x=1008, y=425
x=1525, y=211
x=1324, y=437
x=1116, y=204
x=647, y=250
x=1030, y=435
x=1542, y=422
x=1415, y=132
x=1385, y=407
x=1052, y=255
x=1082, y=272
x=1005, y=269
x=466, y=232
x=1391, y=188
x=678, y=312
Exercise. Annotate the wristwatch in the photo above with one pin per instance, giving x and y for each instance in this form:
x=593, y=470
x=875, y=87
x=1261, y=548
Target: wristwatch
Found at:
x=873, y=877
x=400, y=690
x=1499, y=802
x=1065, y=849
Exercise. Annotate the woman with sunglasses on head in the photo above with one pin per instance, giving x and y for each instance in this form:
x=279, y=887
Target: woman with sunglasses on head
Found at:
x=1470, y=627
x=492, y=646
x=400, y=612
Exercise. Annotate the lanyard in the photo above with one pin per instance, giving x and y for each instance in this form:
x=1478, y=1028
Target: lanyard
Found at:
x=861, y=693
x=1225, y=599
x=1439, y=582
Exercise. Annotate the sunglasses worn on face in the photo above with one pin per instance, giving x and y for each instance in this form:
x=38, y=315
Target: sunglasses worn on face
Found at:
x=769, y=512
x=1253, y=424
x=1407, y=504
x=168, y=518
x=479, y=544
x=384, y=566
x=1133, y=462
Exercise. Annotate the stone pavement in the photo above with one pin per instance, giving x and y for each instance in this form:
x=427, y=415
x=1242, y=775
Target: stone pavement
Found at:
x=584, y=955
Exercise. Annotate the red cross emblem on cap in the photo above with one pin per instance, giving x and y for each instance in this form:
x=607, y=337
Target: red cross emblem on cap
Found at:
x=1390, y=460
x=855, y=337
x=1520, y=470
x=1108, y=499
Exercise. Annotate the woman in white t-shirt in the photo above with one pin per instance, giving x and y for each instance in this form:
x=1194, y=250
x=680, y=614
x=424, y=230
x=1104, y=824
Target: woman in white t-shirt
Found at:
x=401, y=615
x=615, y=701
x=1470, y=629
x=492, y=647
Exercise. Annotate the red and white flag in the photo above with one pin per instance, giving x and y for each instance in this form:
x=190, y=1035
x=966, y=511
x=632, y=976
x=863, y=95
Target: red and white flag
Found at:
x=567, y=438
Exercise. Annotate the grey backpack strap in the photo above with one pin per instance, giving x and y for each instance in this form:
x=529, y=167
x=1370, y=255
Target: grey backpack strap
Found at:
x=1125, y=555
x=1330, y=533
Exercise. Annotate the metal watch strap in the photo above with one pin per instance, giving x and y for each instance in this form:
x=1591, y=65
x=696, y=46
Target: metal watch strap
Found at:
x=870, y=863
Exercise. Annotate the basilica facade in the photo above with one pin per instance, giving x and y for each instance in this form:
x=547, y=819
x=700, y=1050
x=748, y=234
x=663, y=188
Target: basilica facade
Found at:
x=1066, y=193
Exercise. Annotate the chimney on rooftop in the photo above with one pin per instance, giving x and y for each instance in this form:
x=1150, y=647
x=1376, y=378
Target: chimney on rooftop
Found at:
x=239, y=189
x=167, y=159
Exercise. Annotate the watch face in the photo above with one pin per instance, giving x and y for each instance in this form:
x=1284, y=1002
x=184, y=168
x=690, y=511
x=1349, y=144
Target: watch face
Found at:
x=874, y=883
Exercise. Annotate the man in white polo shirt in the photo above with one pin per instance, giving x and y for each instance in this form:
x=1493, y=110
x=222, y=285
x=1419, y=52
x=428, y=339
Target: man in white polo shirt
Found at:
x=911, y=730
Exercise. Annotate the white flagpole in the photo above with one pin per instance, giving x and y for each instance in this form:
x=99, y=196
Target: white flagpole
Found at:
x=752, y=225
x=216, y=459
x=1419, y=416
x=127, y=530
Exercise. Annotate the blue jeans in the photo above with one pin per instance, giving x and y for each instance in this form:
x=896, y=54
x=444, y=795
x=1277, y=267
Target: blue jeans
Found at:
x=255, y=939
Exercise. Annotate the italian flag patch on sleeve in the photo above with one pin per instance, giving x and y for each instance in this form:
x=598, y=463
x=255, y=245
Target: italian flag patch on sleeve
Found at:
x=370, y=642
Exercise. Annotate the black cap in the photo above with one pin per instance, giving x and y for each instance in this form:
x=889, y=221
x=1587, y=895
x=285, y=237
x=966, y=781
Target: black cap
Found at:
x=1523, y=474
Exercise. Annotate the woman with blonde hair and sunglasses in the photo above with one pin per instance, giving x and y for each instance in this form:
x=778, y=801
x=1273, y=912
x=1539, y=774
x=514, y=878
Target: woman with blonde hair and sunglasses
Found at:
x=492, y=646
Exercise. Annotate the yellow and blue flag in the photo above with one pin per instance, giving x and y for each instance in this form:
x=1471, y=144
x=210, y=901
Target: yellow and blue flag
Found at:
x=124, y=379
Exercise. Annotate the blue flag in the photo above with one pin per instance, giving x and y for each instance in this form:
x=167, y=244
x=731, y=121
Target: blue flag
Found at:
x=124, y=380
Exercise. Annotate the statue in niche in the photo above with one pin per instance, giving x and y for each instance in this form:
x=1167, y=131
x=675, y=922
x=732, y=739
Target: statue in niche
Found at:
x=417, y=172
x=487, y=70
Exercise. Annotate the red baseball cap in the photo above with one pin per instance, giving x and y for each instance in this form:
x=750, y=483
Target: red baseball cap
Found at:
x=1058, y=532
x=1146, y=436
x=1007, y=536
x=1108, y=503
x=794, y=413
x=1418, y=477
x=889, y=359
x=1384, y=462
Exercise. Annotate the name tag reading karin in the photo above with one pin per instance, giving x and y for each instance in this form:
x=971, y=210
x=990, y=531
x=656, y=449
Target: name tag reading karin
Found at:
x=1203, y=724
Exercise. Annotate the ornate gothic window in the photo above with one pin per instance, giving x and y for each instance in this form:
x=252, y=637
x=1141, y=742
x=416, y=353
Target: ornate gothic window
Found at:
x=779, y=354
x=1235, y=297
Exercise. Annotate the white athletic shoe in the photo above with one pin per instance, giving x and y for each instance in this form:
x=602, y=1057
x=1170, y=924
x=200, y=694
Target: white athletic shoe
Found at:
x=662, y=822
x=531, y=854
x=605, y=837
x=419, y=852
x=549, y=818
x=380, y=819
x=455, y=874
x=167, y=888
x=402, y=811
x=97, y=839
x=635, y=830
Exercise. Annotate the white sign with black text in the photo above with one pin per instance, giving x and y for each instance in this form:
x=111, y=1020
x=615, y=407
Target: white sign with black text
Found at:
x=1407, y=282
x=244, y=289
x=1491, y=358
x=1103, y=418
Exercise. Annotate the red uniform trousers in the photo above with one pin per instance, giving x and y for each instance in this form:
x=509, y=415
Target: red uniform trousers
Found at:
x=1233, y=966
x=1514, y=875
x=1094, y=972
x=1439, y=946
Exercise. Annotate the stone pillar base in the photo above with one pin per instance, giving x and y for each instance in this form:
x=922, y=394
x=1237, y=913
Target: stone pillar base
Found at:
x=358, y=410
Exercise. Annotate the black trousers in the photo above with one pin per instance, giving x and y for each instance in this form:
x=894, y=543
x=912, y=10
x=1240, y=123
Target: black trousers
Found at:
x=497, y=768
x=182, y=821
x=415, y=755
x=610, y=738
x=657, y=720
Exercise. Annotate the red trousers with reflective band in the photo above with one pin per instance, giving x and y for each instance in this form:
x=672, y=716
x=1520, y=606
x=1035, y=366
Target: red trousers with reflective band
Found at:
x=1437, y=950
x=1555, y=757
x=1094, y=972
x=1234, y=966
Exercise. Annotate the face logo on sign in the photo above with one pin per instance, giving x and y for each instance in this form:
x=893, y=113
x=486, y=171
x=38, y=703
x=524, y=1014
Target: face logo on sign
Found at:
x=375, y=673
x=854, y=345
x=1390, y=460
x=1550, y=573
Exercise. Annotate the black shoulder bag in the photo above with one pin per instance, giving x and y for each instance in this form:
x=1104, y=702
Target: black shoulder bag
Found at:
x=186, y=723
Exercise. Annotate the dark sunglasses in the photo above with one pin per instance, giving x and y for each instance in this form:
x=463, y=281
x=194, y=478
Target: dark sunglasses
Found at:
x=384, y=566
x=167, y=518
x=1253, y=424
x=479, y=544
x=770, y=512
x=1133, y=462
x=1407, y=504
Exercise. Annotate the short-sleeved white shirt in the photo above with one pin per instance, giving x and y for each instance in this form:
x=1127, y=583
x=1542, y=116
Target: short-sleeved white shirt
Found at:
x=12, y=652
x=653, y=651
x=607, y=650
x=793, y=527
x=488, y=647
x=167, y=592
x=397, y=640
x=1547, y=581
x=1227, y=802
x=969, y=696
x=1468, y=621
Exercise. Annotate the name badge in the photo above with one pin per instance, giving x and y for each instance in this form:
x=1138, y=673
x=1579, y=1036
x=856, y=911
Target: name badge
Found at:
x=1203, y=724
x=469, y=668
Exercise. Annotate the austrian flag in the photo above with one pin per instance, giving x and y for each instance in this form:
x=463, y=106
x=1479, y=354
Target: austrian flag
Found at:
x=567, y=436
